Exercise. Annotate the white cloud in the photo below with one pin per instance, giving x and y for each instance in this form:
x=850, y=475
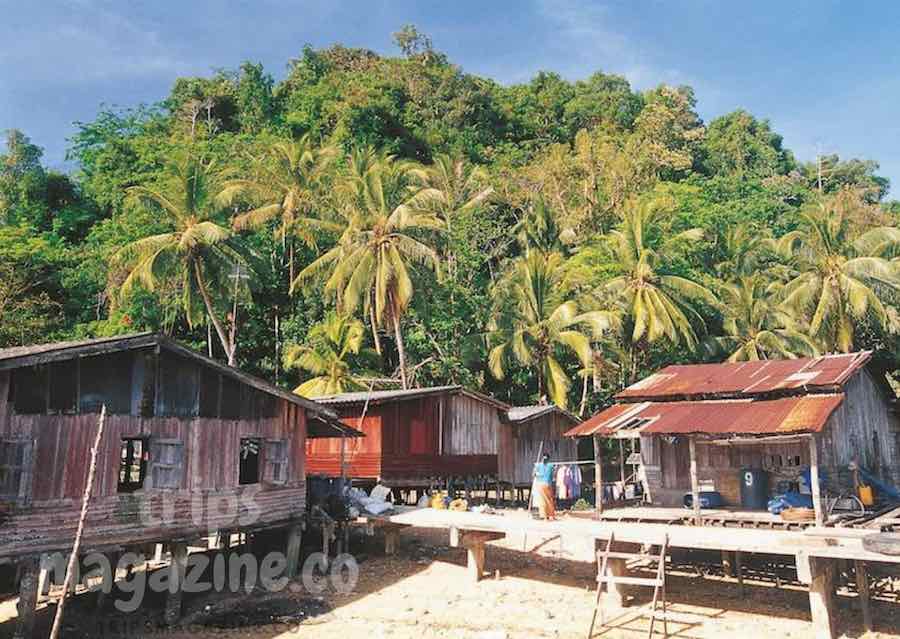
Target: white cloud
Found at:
x=585, y=40
x=87, y=43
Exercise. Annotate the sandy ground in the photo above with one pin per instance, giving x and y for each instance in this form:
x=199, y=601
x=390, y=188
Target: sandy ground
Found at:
x=423, y=592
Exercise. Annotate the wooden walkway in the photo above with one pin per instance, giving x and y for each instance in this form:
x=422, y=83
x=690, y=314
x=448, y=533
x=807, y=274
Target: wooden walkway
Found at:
x=815, y=549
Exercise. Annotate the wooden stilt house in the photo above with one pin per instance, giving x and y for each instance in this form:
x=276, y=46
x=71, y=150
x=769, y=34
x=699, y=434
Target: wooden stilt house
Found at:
x=706, y=425
x=181, y=431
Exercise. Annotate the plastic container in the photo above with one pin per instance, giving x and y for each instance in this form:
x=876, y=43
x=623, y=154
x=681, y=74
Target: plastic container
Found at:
x=866, y=495
x=708, y=499
x=754, y=488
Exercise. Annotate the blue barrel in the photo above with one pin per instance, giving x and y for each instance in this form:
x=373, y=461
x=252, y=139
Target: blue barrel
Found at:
x=754, y=488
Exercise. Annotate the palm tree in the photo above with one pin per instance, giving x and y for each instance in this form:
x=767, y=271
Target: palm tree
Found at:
x=289, y=187
x=451, y=187
x=195, y=253
x=383, y=238
x=535, y=325
x=539, y=229
x=755, y=327
x=656, y=303
x=327, y=355
x=842, y=275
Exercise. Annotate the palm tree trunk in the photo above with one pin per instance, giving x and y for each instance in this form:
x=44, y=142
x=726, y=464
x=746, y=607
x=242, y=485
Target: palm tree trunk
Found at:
x=584, y=396
x=375, y=337
x=220, y=331
x=401, y=350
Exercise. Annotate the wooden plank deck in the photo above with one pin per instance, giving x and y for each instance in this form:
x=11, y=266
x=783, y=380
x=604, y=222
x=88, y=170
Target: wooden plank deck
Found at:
x=833, y=543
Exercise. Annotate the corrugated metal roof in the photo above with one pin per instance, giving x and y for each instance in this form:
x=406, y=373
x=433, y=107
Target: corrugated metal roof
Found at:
x=747, y=379
x=518, y=414
x=381, y=396
x=784, y=415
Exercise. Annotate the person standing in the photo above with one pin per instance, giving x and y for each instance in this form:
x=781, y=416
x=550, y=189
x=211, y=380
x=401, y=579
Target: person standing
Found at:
x=543, y=488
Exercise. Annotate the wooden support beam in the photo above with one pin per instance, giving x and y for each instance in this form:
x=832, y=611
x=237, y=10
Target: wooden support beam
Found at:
x=474, y=543
x=728, y=563
x=292, y=552
x=821, y=597
x=28, y=594
x=739, y=568
x=177, y=570
x=862, y=586
x=695, y=481
x=814, y=480
x=598, y=476
x=391, y=536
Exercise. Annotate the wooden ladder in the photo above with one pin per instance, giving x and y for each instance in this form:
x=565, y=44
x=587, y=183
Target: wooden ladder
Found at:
x=658, y=582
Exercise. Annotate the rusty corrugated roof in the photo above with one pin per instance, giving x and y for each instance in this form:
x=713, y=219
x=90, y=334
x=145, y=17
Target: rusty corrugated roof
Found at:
x=784, y=415
x=747, y=379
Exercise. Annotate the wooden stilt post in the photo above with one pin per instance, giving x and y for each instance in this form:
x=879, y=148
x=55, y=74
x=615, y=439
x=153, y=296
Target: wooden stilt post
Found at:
x=695, y=481
x=598, y=476
x=862, y=586
x=177, y=570
x=814, y=480
x=292, y=553
x=739, y=566
x=622, y=463
x=28, y=594
x=821, y=597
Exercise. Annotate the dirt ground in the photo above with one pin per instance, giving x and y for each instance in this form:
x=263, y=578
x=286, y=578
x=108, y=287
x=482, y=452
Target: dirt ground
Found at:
x=423, y=592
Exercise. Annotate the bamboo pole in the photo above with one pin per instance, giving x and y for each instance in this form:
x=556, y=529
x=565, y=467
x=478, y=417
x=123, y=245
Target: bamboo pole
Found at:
x=85, y=501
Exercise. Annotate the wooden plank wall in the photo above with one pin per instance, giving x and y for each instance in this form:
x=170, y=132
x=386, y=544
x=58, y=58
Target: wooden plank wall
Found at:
x=471, y=426
x=667, y=467
x=406, y=440
x=525, y=441
x=862, y=428
x=62, y=445
x=362, y=454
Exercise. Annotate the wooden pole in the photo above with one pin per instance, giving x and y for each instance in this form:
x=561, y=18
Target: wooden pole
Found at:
x=862, y=586
x=695, y=481
x=622, y=464
x=814, y=480
x=85, y=501
x=598, y=477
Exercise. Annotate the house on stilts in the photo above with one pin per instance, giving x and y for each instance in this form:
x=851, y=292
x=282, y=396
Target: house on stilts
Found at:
x=181, y=431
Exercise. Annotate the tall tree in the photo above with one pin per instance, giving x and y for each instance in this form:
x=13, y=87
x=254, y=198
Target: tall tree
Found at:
x=289, y=186
x=842, y=278
x=451, y=187
x=756, y=327
x=195, y=254
x=383, y=238
x=330, y=352
x=657, y=303
x=535, y=325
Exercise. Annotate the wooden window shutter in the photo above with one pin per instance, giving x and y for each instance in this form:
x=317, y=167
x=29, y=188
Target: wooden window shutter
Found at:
x=166, y=463
x=276, y=459
x=16, y=469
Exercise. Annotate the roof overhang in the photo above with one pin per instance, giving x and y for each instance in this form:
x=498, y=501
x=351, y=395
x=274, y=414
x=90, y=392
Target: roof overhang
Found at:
x=376, y=397
x=714, y=419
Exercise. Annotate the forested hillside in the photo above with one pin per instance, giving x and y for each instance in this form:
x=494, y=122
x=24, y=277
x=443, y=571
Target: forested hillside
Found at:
x=372, y=220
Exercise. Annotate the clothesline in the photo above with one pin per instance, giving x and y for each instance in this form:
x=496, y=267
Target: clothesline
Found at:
x=569, y=463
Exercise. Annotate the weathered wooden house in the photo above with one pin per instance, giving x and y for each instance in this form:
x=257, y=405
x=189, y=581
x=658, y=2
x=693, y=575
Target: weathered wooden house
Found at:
x=529, y=430
x=412, y=436
x=181, y=431
x=780, y=416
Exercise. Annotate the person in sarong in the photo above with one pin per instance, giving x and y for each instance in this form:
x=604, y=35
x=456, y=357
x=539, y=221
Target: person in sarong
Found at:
x=543, y=488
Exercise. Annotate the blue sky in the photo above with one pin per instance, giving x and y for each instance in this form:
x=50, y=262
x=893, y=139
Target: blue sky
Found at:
x=824, y=73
